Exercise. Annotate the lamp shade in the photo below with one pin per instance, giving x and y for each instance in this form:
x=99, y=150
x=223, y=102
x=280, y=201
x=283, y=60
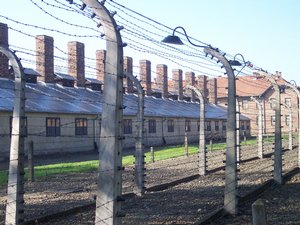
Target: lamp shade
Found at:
x=234, y=63
x=172, y=39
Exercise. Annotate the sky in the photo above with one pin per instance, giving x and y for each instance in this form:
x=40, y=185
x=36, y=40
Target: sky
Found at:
x=265, y=32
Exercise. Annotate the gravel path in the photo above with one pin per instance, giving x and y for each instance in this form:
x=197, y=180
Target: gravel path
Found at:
x=183, y=204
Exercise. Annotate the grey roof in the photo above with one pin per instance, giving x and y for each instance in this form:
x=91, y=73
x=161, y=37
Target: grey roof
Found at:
x=29, y=71
x=54, y=98
x=64, y=76
x=92, y=80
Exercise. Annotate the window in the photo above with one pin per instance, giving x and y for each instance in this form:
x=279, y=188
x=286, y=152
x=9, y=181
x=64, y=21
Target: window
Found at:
x=80, y=126
x=152, y=126
x=273, y=120
x=287, y=120
x=127, y=124
x=242, y=125
x=245, y=104
x=288, y=102
x=52, y=127
x=248, y=125
x=188, y=125
x=24, y=127
x=208, y=126
x=216, y=125
x=223, y=125
x=272, y=103
x=170, y=124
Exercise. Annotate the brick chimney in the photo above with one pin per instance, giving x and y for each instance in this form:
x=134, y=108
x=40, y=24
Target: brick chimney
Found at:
x=145, y=75
x=212, y=90
x=177, y=81
x=100, y=64
x=4, y=66
x=45, y=58
x=162, y=79
x=127, y=83
x=190, y=80
x=76, y=62
x=202, y=85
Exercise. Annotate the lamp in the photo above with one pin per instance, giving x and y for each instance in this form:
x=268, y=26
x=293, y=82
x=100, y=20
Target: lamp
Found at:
x=173, y=39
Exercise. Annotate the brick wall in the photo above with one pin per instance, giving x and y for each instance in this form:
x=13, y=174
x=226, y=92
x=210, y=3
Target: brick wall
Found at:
x=162, y=79
x=45, y=58
x=4, y=66
x=127, y=83
x=177, y=82
x=100, y=64
x=190, y=80
x=76, y=62
x=212, y=90
x=145, y=75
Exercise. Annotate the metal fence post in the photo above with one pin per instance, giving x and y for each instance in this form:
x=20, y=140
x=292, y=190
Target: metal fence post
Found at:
x=260, y=129
x=109, y=190
x=15, y=187
x=230, y=198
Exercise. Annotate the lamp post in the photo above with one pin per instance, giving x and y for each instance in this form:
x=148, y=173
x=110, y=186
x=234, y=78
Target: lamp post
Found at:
x=230, y=195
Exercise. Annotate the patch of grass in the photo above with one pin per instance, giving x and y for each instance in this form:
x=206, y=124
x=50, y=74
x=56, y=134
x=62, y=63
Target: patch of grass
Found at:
x=160, y=153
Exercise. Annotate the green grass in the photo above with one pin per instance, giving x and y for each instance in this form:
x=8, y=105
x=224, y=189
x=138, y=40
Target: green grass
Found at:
x=160, y=153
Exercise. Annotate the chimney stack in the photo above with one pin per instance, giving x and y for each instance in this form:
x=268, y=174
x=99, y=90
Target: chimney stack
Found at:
x=177, y=81
x=127, y=82
x=100, y=64
x=202, y=85
x=45, y=58
x=145, y=75
x=76, y=62
x=162, y=79
x=212, y=90
x=4, y=66
x=190, y=80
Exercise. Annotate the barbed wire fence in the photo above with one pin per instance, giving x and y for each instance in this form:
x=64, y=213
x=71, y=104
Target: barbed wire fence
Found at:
x=143, y=36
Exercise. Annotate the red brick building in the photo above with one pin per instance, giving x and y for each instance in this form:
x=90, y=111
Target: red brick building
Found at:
x=258, y=86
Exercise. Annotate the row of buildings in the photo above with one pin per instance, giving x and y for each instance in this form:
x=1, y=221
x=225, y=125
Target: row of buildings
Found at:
x=63, y=111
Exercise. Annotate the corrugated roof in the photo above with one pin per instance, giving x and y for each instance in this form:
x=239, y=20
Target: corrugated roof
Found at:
x=54, y=98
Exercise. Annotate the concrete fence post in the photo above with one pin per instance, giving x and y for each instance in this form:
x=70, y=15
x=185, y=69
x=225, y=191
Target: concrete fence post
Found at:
x=30, y=161
x=186, y=144
x=139, y=144
x=211, y=145
x=109, y=179
x=290, y=126
x=295, y=89
x=278, y=142
x=152, y=155
x=14, y=213
x=259, y=213
x=238, y=138
x=260, y=150
x=202, y=144
x=230, y=192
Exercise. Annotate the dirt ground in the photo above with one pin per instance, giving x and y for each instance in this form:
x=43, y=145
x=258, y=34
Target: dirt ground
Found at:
x=185, y=203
